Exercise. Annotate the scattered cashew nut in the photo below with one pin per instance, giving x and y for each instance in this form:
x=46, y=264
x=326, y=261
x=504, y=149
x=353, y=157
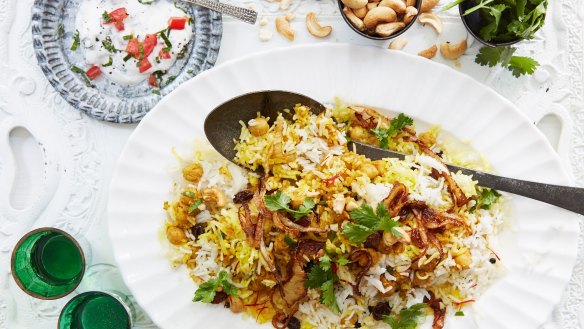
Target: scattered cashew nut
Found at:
x=453, y=50
x=397, y=5
x=398, y=44
x=283, y=27
x=433, y=20
x=316, y=29
x=372, y=5
x=285, y=4
x=429, y=53
x=428, y=5
x=355, y=4
x=411, y=12
x=378, y=16
x=410, y=3
x=361, y=12
x=356, y=21
x=388, y=29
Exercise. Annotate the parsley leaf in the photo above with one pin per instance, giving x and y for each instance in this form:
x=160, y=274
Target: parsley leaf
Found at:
x=195, y=205
x=280, y=202
x=408, y=318
x=518, y=65
x=108, y=45
x=396, y=124
x=368, y=222
x=207, y=290
x=328, y=296
x=316, y=277
x=322, y=276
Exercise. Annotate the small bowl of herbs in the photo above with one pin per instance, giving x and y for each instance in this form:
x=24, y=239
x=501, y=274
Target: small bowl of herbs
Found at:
x=498, y=24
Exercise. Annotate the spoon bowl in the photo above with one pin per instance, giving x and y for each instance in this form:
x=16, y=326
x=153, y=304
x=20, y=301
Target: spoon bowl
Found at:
x=222, y=125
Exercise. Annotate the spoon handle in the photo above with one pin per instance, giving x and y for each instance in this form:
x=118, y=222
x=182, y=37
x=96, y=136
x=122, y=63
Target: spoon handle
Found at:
x=567, y=197
x=243, y=14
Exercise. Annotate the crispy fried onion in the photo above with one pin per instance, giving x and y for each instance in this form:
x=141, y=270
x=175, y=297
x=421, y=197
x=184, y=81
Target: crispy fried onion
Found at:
x=247, y=224
x=427, y=220
x=458, y=197
x=397, y=198
x=254, y=231
x=287, y=299
x=361, y=261
x=282, y=222
x=439, y=311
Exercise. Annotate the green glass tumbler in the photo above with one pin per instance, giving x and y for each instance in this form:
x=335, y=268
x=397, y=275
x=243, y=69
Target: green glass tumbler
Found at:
x=96, y=310
x=48, y=263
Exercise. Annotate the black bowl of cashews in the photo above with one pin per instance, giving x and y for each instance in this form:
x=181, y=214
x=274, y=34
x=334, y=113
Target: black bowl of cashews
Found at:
x=380, y=19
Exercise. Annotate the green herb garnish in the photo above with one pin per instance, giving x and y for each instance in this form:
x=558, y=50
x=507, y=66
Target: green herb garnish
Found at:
x=180, y=8
x=396, y=124
x=106, y=17
x=182, y=52
x=76, y=41
x=459, y=313
x=128, y=37
x=108, y=45
x=280, y=202
x=206, y=291
x=486, y=198
x=408, y=318
x=195, y=205
x=109, y=63
x=141, y=50
x=518, y=65
x=368, y=221
x=83, y=75
x=156, y=91
x=189, y=194
x=146, y=2
x=290, y=242
x=127, y=57
x=166, y=41
x=321, y=276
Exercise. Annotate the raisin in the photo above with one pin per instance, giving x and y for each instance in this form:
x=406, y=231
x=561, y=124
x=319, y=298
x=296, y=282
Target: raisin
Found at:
x=380, y=310
x=373, y=240
x=243, y=196
x=294, y=323
x=220, y=297
x=198, y=230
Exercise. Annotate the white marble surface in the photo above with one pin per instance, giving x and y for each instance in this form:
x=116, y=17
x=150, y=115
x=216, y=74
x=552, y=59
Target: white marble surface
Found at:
x=55, y=163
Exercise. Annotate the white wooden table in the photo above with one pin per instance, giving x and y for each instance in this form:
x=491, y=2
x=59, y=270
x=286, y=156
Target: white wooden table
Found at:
x=56, y=163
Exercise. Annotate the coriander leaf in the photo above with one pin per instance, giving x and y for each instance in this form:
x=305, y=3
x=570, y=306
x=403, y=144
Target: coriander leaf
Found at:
x=459, y=313
x=306, y=206
x=280, y=202
x=342, y=261
x=76, y=41
x=106, y=17
x=364, y=216
x=195, y=205
x=396, y=124
x=520, y=65
x=408, y=318
x=228, y=288
x=388, y=224
x=328, y=296
x=400, y=122
x=488, y=56
x=357, y=233
x=316, y=277
x=485, y=199
x=325, y=262
x=206, y=291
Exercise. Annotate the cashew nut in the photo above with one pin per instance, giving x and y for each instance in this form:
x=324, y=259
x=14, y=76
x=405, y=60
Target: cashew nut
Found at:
x=356, y=21
x=411, y=12
x=258, y=126
x=176, y=235
x=385, y=30
x=378, y=16
x=433, y=20
x=316, y=29
x=355, y=4
x=398, y=44
x=193, y=172
x=429, y=53
x=215, y=195
x=410, y=3
x=283, y=27
x=361, y=12
x=290, y=16
x=399, y=6
x=372, y=5
x=453, y=50
x=285, y=4
x=428, y=5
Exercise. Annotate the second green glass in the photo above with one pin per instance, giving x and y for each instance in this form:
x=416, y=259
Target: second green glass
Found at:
x=96, y=310
x=48, y=263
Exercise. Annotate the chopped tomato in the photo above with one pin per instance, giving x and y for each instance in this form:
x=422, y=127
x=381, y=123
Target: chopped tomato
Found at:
x=133, y=47
x=117, y=18
x=152, y=80
x=144, y=65
x=177, y=23
x=164, y=54
x=149, y=43
x=93, y=72
x=118, y=15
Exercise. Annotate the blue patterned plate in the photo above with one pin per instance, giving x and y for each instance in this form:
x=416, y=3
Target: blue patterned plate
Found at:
x=53, y=29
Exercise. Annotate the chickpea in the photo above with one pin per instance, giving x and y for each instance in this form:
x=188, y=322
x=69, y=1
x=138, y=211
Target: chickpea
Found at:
x=358, y=133
x=193, y=172
x=464, y=259
x=380, y=165
x=235, y=305
x=258, y=126
x=370, y=170
x=176, y=235
x=215, y=195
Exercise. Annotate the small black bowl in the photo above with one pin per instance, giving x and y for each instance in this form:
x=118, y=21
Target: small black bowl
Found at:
x=472, y=22
x=372, y=37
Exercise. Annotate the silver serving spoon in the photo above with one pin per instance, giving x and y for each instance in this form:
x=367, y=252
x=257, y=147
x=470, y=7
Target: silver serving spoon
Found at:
x=243, y=14
x=222, y=127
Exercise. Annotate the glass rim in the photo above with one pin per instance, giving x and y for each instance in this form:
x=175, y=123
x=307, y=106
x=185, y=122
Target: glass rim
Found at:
x=39, y=230
x=107, y=293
